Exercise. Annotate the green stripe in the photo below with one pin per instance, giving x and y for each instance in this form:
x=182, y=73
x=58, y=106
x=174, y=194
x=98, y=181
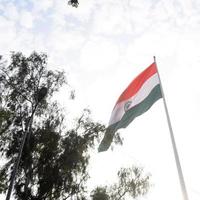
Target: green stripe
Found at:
x=129, y=116
x=141, y=108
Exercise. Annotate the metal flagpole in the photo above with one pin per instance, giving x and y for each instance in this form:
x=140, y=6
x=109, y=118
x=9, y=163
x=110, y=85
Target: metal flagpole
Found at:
x=180, y=173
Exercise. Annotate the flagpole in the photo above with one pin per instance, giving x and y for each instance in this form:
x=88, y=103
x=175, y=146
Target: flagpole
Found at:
x=180, y=173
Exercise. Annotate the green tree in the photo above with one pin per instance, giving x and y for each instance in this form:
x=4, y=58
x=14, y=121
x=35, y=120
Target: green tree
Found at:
x=100, y=193
x=131, y=183
x=54, y=160
x=73, y=3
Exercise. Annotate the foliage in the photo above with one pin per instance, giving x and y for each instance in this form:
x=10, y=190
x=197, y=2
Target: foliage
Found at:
x=73, y=3
x=131, y=183
x=5, y=120
x=100, y=193
x=54, y=162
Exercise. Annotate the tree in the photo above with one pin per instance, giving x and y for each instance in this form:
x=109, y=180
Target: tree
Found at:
x=5, y=121
x=54, y=160
x=100, y=193
x=131, y=183
x=73, y=3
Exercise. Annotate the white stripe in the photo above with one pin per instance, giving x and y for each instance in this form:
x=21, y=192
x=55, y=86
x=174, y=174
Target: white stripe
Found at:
x=144, y=91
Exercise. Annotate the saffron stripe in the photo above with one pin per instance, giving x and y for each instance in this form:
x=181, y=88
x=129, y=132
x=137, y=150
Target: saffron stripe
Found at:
x=137, y=83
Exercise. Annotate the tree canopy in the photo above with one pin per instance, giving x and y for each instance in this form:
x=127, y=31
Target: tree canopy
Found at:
x=131, y=183
x=73, y=3
x=54, y=159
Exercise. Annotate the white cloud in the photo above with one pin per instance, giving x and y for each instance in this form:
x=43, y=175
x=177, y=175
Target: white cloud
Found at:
x=111, y=19
x=10, y=12
x=98, y=54
x=65, y=40
x=42, y=6
x=26, y=19
x=7, y=35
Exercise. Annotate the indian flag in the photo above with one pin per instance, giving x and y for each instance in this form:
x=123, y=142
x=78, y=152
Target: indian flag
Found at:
x=136, y=99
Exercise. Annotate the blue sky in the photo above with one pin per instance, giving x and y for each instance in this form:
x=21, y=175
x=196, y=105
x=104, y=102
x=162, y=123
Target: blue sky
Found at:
x=102, y=46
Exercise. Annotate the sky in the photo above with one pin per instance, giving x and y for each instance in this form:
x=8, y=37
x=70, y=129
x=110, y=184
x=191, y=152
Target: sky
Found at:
x=102, y=46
